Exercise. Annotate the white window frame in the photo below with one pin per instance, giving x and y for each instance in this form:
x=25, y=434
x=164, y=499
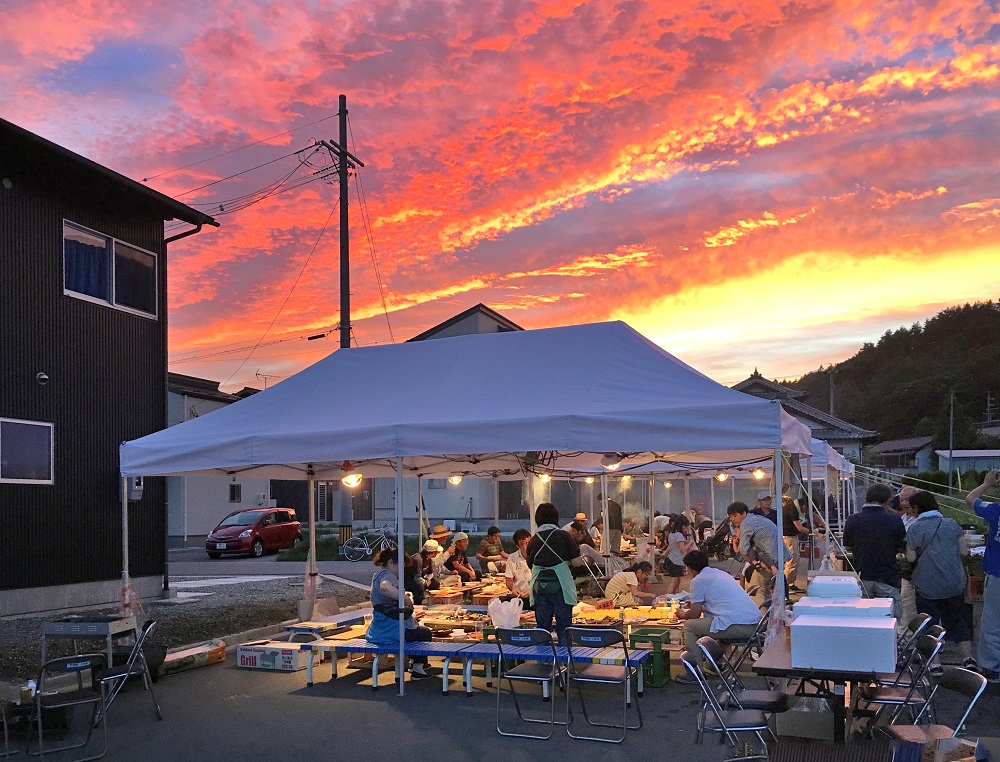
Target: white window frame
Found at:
x=112, y=303
x=52, y=453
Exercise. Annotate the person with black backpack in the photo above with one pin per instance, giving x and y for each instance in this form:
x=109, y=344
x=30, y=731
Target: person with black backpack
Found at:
x=553, y=591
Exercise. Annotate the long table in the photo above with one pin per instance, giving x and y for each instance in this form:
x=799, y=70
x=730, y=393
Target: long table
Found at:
x=776, y=661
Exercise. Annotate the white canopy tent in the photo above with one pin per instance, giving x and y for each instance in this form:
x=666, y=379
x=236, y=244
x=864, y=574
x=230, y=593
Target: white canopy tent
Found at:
x=500, y=405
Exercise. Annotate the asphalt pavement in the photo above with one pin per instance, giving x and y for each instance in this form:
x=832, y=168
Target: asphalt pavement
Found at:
x=194, y=562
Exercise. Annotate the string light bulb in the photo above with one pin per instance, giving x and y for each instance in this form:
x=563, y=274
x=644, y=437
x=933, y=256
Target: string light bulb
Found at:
x=544, y=478
x=758, y=473
x=589, y=480
x=668, y=485
x=455, y=479
x=721, y=476
x=612, y=461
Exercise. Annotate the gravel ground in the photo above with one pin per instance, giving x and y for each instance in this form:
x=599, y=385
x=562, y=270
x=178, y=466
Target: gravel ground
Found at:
x=229, y=609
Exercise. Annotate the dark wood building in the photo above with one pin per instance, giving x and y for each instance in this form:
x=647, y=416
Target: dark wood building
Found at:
x=83, y=354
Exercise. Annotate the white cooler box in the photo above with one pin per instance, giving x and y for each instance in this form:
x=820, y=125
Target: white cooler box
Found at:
x=834, y=587
x=856, y=607
x=853, y=644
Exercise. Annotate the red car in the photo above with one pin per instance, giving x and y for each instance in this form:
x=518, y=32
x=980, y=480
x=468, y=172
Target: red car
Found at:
x=253, y=531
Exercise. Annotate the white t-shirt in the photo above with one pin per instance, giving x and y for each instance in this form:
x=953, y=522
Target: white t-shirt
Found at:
x=660, y=523
x=723, y=598
x=674, y=552
x=518, y=571
x=620, y=586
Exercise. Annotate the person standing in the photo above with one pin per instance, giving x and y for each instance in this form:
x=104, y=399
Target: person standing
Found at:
x=989, y=624
x=679, y=543
x=936, y=546
x=756, y=539
x=763, y=507
x=792, y=527
x=875, y=536
x=549, y=552
x=907, y=593
x=615, y=525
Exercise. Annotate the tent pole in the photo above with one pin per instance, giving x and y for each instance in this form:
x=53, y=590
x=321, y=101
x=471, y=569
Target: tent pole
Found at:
x=687, y=493
x=733, y=485
x=778, y=595
x=711, y=492
x=309, y=588
x=605, y=539
x=826, y=514
x=421, y=538
x=812, y=509
x=124, y=496
x=591, y=503
x=401, y=661
x=496, y=500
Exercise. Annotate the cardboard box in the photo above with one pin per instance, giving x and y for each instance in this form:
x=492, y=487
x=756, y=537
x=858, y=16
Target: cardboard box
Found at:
x=834, y=587
x=271, y=655
x=857, y=607
x=855, y=644
x=805, y=719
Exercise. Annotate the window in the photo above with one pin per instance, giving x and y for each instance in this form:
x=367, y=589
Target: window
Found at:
x=437, y=483
x=97, y=267
x=25, y=452
x=235, y=493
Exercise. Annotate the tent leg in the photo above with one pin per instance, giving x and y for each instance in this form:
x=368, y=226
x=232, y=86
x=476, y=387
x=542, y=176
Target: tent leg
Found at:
x=401, y=661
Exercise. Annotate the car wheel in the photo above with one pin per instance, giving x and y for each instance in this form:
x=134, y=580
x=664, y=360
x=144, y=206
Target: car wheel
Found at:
x=354, y=549
x=257, y=548
x=215, y=556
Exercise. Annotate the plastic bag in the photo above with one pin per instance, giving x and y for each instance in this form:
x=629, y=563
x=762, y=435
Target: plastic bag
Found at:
x=506, y=614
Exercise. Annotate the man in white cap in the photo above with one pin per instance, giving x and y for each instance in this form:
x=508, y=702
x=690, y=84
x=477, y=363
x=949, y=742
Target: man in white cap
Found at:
x=429, y=564
x=458, y=563
x=763, y=507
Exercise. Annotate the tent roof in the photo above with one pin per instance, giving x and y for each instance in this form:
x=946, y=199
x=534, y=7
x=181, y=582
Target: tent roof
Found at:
x=477, y=404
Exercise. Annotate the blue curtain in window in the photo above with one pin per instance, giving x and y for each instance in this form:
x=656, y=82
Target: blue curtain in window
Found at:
x=86, y=269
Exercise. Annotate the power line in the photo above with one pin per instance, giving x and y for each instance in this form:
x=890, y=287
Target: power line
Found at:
x=234, y=150
x=287, y=296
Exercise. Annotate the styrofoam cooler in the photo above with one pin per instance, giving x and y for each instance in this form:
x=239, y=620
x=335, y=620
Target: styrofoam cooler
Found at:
x=852, y=644
x=834, y=587
x=856, y=607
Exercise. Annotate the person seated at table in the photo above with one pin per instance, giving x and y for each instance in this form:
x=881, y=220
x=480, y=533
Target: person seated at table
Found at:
x=413, y=583
x=549, y=554
x=429, y=564
x=679, y=544
x=458, y=563
x=491, y=555
x=624, y=587
x=384, y=627
x=719, y=606
x=517, y=575
x=589, y=561
x=581, y=519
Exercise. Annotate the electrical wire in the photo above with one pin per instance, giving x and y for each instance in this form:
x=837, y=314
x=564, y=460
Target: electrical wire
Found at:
x=234, y=150
x=288, y=295
x=366, y=219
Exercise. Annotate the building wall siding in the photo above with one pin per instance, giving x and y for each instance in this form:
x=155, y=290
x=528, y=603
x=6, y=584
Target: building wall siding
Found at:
x=107, y=384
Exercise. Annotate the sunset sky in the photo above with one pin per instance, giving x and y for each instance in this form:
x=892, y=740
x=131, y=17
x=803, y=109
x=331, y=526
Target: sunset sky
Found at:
x=749, y=184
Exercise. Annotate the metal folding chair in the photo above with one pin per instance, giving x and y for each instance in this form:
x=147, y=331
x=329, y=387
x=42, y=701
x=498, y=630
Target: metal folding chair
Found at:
x=907, y=638
x=963, y=681
x=580, y=671
x=735, y=694
x=545, y=673
x=915, y=696
x=754, y=642
x=66, y=695
x=713, y=718
x=115, y=678
x=6, y=729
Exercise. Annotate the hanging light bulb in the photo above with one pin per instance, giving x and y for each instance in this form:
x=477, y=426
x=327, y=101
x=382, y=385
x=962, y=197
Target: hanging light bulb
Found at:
x=721, y=476
x=612, y=460
x=668, y=485
x=455, y=479
x=352, y=480
x=589, y=480
x=544, y=478
x=758, y=473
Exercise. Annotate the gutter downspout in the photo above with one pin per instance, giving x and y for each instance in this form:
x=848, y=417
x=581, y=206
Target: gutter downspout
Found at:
x=186, y=233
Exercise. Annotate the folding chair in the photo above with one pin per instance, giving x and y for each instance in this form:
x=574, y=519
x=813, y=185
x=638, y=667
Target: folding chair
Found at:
x=6, y=729
x=736, y=694
x=114, y=678
x=906, y=639
x=48, y=699
x=579, y=639
x=963, y=681
x=545, y=672
x=916, y=695
x=728, y=722
x=754, y=642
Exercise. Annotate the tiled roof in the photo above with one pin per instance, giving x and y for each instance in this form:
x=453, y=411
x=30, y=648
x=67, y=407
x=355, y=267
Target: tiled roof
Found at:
x=774, y=390
x=897, y=446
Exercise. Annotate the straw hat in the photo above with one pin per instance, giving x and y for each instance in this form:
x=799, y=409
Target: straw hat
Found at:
x=432, y=546
x=440, y=532
x=580, y=517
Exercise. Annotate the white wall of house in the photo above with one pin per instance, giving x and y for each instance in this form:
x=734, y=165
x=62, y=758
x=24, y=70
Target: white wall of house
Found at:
x=196, y=504
x=442, y=501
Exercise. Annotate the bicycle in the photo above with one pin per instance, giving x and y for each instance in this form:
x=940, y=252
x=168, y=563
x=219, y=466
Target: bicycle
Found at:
x=368, y=544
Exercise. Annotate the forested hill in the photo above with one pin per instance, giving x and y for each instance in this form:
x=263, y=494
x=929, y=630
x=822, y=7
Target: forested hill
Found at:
x=900, y=386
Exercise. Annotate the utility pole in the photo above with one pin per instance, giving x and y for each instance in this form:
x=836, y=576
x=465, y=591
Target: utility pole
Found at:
x=831, y=389
x=989, y=406
x=344, y=161
x=951, y=442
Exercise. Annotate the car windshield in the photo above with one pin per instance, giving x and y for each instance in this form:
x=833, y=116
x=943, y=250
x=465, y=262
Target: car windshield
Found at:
x=243, y=519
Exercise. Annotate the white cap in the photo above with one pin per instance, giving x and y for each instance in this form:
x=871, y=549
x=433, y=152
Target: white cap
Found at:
x=460, y=536
x=765, y=496
x=432, y=546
